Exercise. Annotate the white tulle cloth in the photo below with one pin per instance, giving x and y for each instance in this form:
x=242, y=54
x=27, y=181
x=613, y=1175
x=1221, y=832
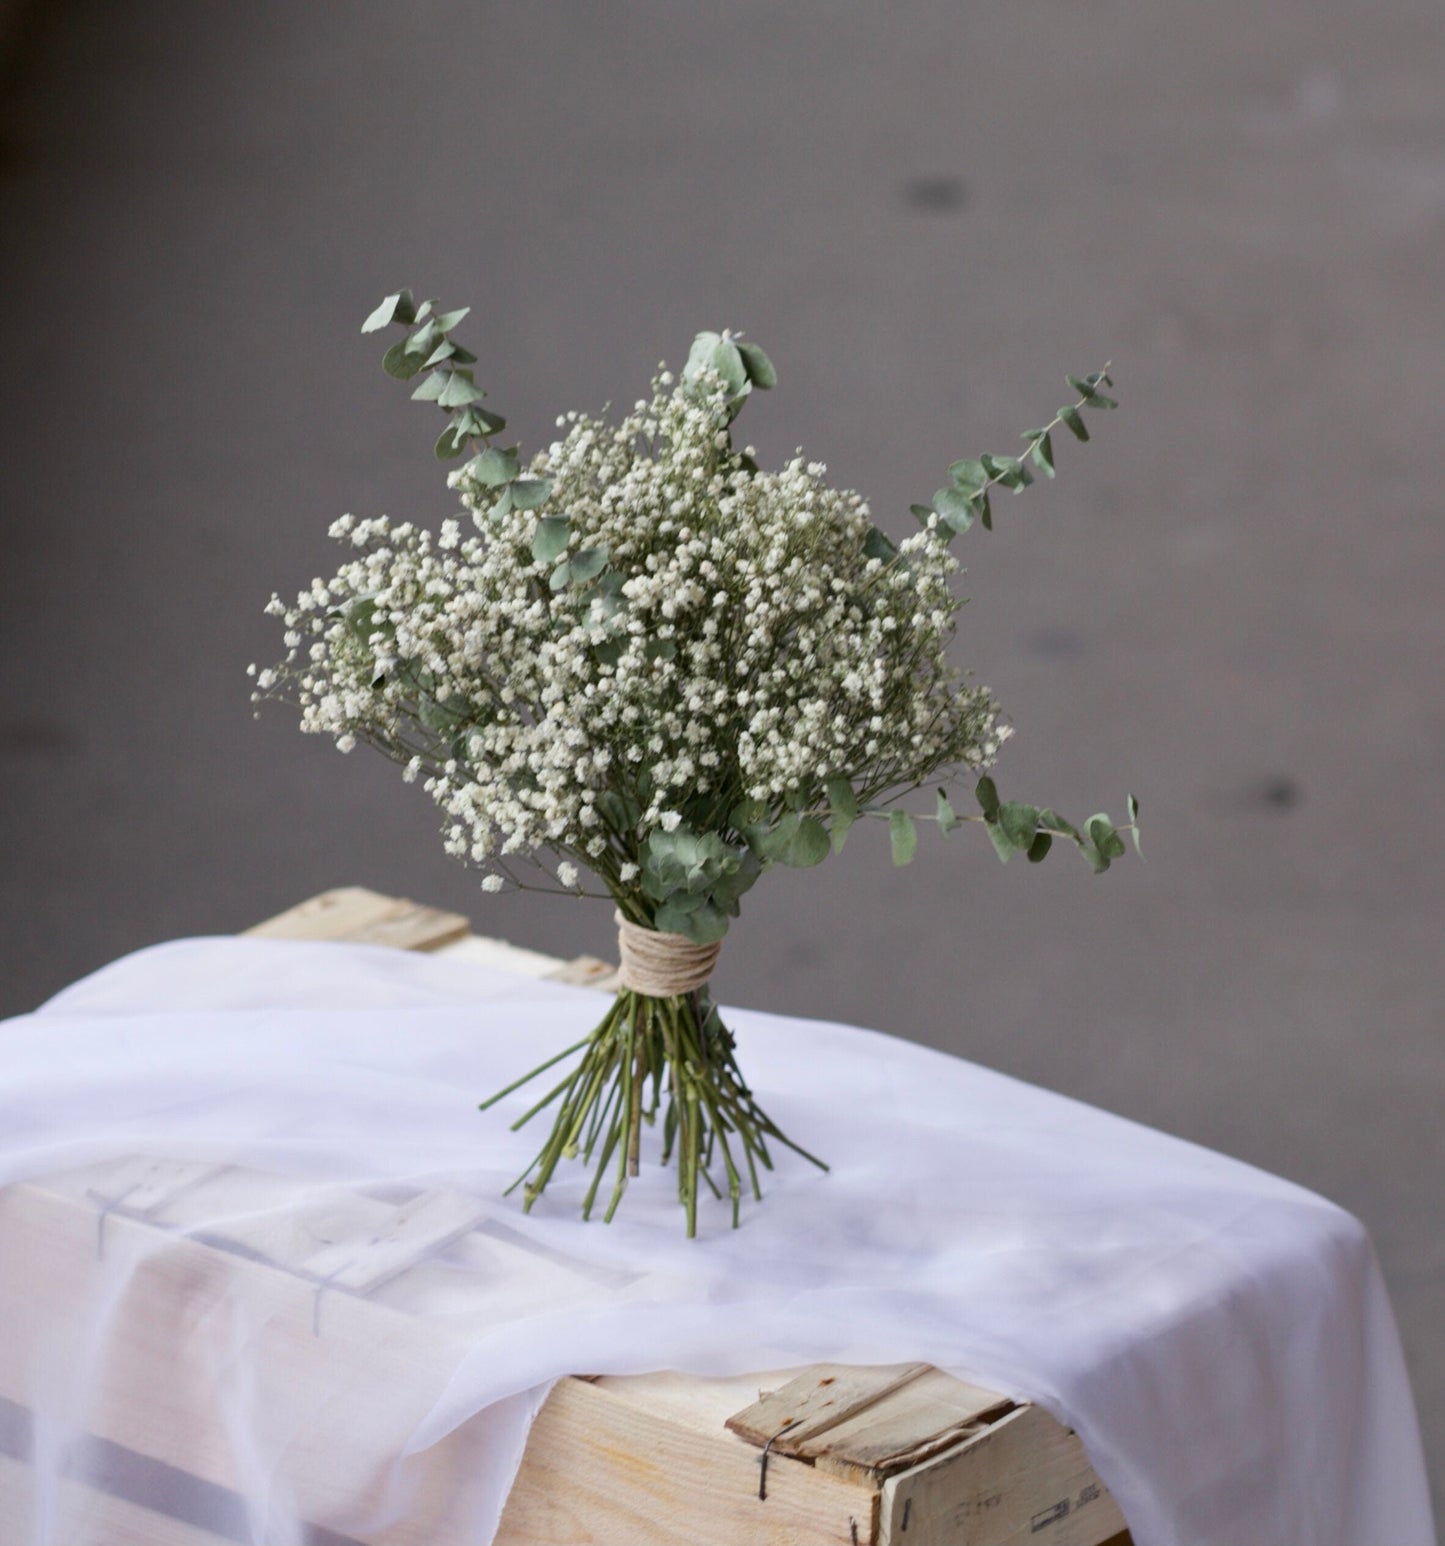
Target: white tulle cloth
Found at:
x=1221, y=1340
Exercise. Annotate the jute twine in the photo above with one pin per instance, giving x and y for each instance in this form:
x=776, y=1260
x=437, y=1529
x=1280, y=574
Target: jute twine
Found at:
x=662, y=965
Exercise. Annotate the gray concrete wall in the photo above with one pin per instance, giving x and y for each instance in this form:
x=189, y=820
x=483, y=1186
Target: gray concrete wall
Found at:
x=1230, y=602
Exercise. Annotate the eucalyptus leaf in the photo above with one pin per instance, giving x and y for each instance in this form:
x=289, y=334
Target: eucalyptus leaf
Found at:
x=397, y=362
x=798, y=841
x=999, y=838
x=706, y=926
x=432, y=388
x=748, y=818
x=1098, y=862
x=877, y=544
x=449, y=444
x=1042, y=452
x=902, y=836
x=437, y=716
x=460, y=391
x=727, y=361
x=424, y=340
x=987, y=795
x=1088, y=390
x=1074, y=420
x=1104, y=837
x=758, y=366
x=494, y=466
x=1039, y=848
x=729, y=889
x=395, y=308
x=588, y=564
x=955, y=509
x=447, y=320
x=549, y=541
x=947, y=818
x=699, y=357
x=841, y=798
x=443, y=351
x=528, y=493
x=843, y=806
x=1019, y=822
x=969, y=474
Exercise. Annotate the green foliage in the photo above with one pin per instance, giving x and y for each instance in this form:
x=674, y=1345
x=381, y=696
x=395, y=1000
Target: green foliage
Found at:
x=966, y=499
x=878, y=545
x=494, y=466
x=797, y=840
x=843, y=808
x=695, y=879
x=902, y=836
x=740, y=366
x=581, y=567
x=451, y=386
x=697, y=882
x=528, y=493
x=549, y=541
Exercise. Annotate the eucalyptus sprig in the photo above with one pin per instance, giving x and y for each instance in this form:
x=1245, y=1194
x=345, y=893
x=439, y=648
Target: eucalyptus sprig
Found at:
x=1013, y=827
x=451, y=385
x=965, y=499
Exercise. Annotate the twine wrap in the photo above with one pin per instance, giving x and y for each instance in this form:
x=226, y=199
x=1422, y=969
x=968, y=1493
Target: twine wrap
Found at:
x=661, y=965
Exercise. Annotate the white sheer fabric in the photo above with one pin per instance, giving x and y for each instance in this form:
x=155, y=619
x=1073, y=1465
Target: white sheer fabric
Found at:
x=1221, y=1340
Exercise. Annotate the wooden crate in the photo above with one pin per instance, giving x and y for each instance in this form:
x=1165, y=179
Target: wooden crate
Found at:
x=901, y=1456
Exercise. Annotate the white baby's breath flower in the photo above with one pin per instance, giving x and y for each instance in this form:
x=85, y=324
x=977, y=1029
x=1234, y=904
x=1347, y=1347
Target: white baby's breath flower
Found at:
x=492, y=882
x=733, y=642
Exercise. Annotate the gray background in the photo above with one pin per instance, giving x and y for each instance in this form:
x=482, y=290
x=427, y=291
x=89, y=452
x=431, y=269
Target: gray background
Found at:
x=1229, y=602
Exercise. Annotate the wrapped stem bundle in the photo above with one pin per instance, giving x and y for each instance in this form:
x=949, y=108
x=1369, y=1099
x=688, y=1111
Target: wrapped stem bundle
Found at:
x=662, y=1040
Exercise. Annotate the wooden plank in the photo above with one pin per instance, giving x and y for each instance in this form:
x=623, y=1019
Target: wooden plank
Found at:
x=143, y=1184
x=924, y=1418
x=1023, y=1478
x=601, y=1470
x=80, y=1516
x=365, y=918
x=587, y=972
x=411, y=1232
x=820, y=1398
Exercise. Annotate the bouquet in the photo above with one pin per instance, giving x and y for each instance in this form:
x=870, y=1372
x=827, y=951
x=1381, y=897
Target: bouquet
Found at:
x=655, y=670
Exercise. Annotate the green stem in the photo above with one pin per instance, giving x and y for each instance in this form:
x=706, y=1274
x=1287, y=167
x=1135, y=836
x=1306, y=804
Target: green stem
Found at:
x=677, y=1044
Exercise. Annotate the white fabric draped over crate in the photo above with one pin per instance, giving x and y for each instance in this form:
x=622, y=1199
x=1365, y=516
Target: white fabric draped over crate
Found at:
x=1221, y=1340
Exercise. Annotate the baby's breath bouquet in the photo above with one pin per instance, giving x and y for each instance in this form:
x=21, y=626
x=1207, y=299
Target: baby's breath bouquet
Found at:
x=641, y=656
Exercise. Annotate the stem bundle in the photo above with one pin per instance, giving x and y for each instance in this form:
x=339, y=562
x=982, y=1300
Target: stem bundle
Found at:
x=679, y=1047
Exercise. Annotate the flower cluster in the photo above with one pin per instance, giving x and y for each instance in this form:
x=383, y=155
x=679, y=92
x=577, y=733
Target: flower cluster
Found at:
x=642, y=634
